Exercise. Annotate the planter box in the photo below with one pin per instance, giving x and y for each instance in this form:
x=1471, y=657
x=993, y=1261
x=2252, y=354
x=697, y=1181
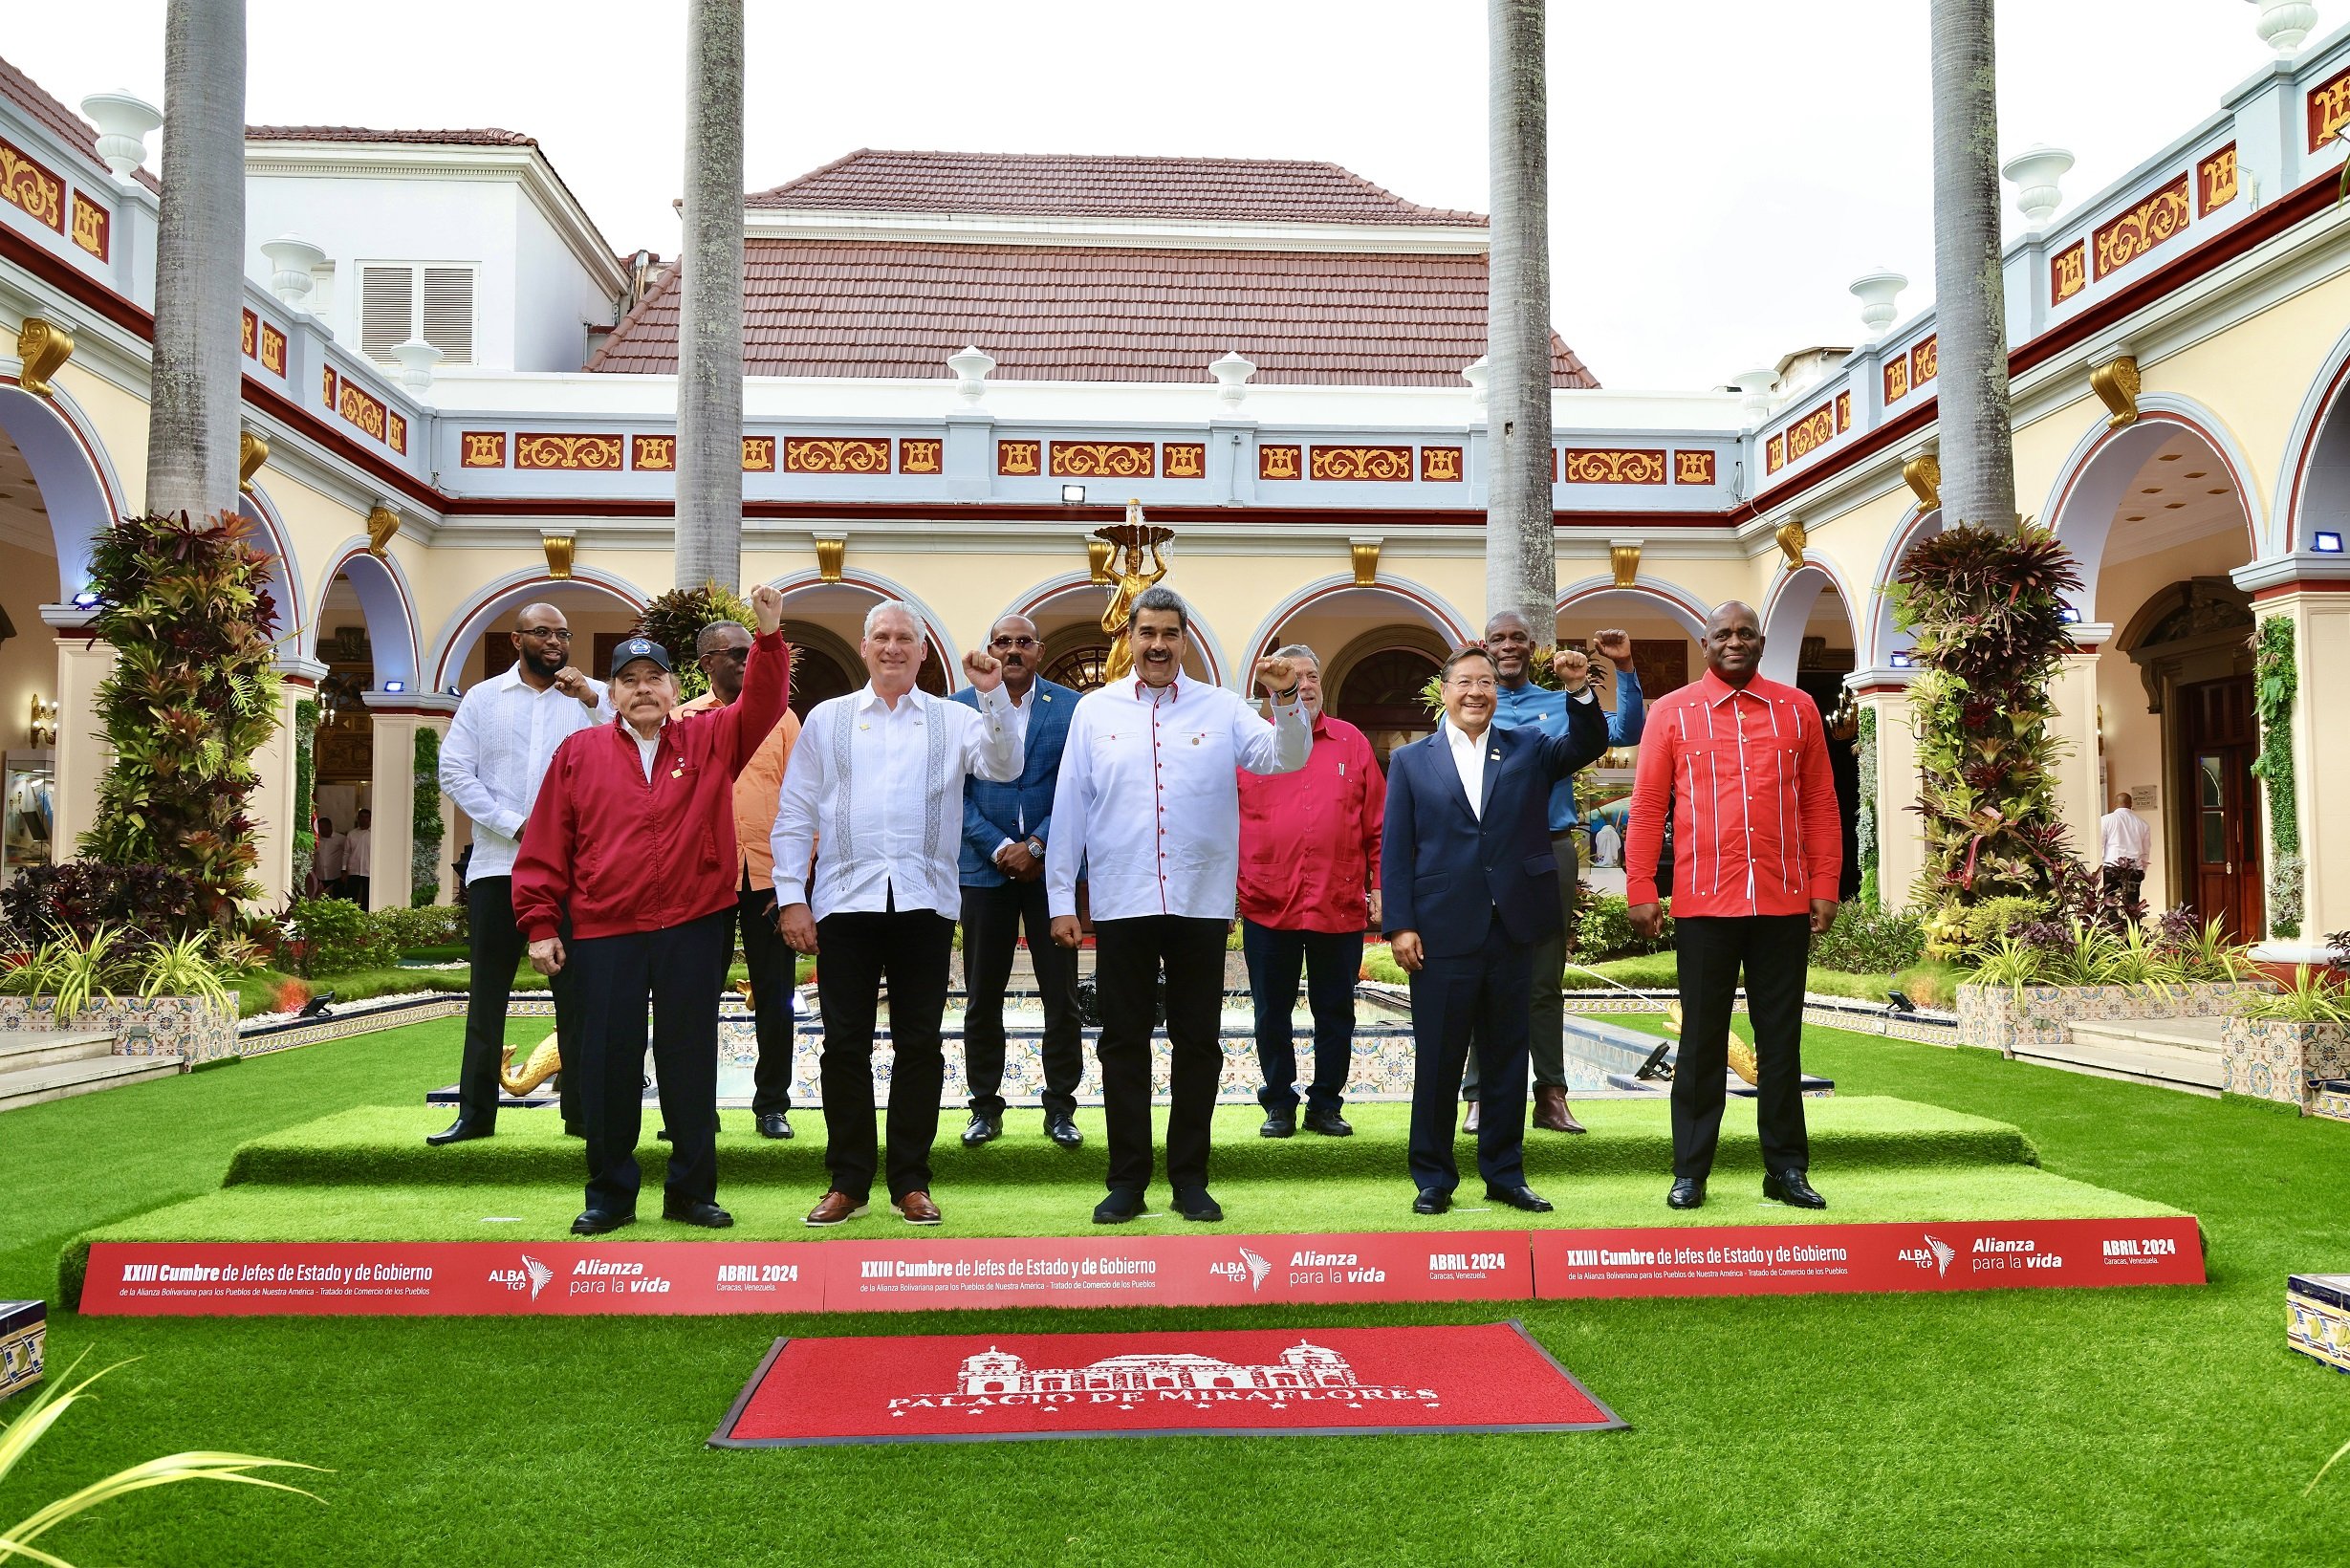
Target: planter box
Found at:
x=2330, y=1097
x=2279, y=1060
x=2317, y=1317
x=24, y=1327
x=187, y=1027
x=2000, y=1017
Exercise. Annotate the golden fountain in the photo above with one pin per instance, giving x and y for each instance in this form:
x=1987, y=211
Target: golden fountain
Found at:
x=1132, y=538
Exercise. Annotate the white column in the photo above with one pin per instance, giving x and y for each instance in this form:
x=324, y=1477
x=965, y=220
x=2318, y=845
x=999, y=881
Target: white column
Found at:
x=397, y=717
x=83, y=754
x=2075, y=723
x=1900, y=834
x=274, y=814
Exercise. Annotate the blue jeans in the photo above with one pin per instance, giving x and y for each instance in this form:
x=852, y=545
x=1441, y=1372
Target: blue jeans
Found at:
x=1333, y=962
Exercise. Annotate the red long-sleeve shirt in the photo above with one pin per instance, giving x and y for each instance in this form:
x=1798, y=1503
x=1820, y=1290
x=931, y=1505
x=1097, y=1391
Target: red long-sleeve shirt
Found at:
x=625, y=853
x=1755, y=830
x=1309, y=841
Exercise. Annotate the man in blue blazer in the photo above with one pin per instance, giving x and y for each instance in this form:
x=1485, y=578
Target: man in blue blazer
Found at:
x=1005, y=827
x=1471, y=885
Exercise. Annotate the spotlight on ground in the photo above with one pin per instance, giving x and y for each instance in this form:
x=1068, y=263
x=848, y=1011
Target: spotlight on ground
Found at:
x=1900, y=1001
x=1655, y=1068
x=316, y=1007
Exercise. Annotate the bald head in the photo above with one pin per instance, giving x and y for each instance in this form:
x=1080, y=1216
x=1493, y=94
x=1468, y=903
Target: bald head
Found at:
x=542, y=643
x=1734, y=642
x=1013, y=641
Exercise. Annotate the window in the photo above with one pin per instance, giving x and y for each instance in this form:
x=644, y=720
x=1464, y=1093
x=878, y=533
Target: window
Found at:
x=402, y=300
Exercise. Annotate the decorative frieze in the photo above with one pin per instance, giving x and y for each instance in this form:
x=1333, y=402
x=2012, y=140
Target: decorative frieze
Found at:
x=921, y=454
x=759, y=456
x=367, y=413
x=2329, y=109
x=1812, y=431
x=2216, y=180
x=1020, y=459
x=1926, y=361
x=653, y=455
x=272, y=349
x=1693, y=467
x=1184, y=460
x=1440, y=464
x=92, y=226
x=31, y=188
x=2143, y=227
x=1614, y=466
x=1280, y=463
x=1105, y=460
x=1376, y=464
x=2068, y=272
x=487, y=449
x=595, y=454
x=834, y=454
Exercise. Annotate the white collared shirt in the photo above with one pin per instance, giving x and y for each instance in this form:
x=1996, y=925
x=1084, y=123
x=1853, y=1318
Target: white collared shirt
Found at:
x=1019, y=712
x=1148, y=801
x=1468, y=759
x=497, y=751
x=881, y=790
x=2125, y=836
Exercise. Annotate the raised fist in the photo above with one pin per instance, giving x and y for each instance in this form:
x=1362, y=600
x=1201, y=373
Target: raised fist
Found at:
x=982, y=670
x=767, y=604
x=1277, y=675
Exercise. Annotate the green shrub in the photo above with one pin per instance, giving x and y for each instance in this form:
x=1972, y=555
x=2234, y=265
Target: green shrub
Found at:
x=1867, y=940
x=430, y=925
x=1604, y=930
x=424, y=821
x=334, y=936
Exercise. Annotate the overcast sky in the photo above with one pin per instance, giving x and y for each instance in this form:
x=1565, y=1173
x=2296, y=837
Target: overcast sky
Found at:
x=1720, y=169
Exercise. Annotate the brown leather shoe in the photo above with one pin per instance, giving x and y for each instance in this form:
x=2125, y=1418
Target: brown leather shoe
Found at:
x=1468, y=1123
x=1551, y=1113
x=916, y=1209
x=836, y=1207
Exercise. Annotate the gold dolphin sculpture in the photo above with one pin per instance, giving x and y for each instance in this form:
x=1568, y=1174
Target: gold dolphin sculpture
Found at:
x=546, y=1061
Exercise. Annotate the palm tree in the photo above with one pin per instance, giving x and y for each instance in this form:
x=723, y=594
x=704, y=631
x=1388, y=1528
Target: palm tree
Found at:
x=1978, y=453
x=193, y=411
x=710, y=343
x=1521, y=560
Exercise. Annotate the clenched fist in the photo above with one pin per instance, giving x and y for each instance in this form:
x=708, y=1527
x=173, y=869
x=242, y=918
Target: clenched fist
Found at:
x=1278, y=675
x=1615, y=646
x=767, y=604
x=983, y=669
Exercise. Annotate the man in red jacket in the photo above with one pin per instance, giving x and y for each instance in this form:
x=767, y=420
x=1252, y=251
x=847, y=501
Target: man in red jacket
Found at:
x=1309, y=884
x=633, y=835
x=1742, y=763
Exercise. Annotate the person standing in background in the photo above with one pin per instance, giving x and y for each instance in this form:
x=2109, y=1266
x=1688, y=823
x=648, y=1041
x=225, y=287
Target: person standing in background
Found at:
x=1309, y=881
x=2128, y=844
x=357, y=852
x=721, y=652
x=326, y=860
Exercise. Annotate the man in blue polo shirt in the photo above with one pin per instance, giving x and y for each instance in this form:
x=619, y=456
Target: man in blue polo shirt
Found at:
x=1512, y=640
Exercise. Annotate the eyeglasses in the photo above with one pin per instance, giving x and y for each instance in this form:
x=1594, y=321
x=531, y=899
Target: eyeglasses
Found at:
x=738, y=655
x=546, y=633
x=1013, y=642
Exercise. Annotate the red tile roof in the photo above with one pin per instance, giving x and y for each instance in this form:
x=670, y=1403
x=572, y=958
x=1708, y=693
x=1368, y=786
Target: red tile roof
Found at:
x=486, y=137
x=1209, y=189
x=857, y=307
x=78, y=132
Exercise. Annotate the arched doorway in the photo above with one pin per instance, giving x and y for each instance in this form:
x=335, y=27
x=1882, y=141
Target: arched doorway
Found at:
x=2157, y=514
x=29, y=578
x=1810, y=639
x=825, y=622
x=1381, y=688
x=1379, y=643
x=1068, y=615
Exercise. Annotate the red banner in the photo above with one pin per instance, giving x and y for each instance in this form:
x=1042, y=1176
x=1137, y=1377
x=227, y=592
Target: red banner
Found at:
x=1813, y=1259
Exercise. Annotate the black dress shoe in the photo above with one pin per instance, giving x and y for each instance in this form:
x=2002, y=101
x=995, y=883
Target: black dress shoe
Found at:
x=1063, y=1131
x=1790, y=1186
x=1329, y=1123
x=596, y=1220
x=459, y=1131
x=1123, y=1203
x=1431, y=1201
x=1520, y=1197
x=1687, y=1193
x=981, y=1129
x=775, y=1124
x=1278, y=1125
x=708, y=1215
x=1193, y=1203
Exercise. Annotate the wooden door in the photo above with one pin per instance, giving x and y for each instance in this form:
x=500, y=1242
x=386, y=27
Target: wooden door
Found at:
x=2220, y=831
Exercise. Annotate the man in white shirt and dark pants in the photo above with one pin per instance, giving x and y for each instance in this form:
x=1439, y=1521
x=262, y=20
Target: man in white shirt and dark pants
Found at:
x=2128, y=842
x=495, y=756
x=359, y=848
x=1149, y=803
x=877, y=780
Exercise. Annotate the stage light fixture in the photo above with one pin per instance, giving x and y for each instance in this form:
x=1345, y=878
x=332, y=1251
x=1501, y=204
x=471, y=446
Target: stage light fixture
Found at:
x=1073, y=495
x=1900, y=661
x=1655, y=1068
x=86, y=598
x=394, y=686
x=316, y=1007
x=2068, y=616
x=2327, y=543
x=1901, y=1002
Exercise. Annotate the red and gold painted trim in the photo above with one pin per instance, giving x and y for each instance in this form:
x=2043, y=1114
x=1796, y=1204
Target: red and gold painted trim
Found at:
x=1103, y=460
x=487, y=449
x=2216, y=180
x=1614, y=465
x=2152, y=222
x=1280, y=463
x=1441, y=464
x=921, y=454
x=1693, y=467
x=1374, y=465
x=595, y=454
x=1184, y=460
x=31, y=187
x=1020, y=459
x=2329, y=109
x=92, y=226
x=834, y=454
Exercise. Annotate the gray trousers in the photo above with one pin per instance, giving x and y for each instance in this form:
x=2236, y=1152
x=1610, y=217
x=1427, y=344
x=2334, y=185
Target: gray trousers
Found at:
x=1546, y=1009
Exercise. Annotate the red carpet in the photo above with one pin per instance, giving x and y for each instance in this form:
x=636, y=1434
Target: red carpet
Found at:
x=995, y=1387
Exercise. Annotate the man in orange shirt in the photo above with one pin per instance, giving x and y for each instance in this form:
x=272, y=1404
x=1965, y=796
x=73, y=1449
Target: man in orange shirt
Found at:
x=722, y=651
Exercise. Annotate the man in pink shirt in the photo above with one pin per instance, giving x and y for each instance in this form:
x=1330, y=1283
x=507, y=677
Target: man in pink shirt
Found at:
x=1742, y=765
x=1309, y=883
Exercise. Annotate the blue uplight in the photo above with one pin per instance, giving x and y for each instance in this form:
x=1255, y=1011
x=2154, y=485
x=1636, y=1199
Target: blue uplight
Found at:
x=2328, y=544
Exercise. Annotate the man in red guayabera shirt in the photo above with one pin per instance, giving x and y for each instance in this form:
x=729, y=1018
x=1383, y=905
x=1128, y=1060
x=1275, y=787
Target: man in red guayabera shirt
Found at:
x=633, y=836
x=1309, y=883
x=1757, y=848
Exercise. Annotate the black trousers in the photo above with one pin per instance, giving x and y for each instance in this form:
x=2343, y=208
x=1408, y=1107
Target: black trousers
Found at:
x=857, y=953
x=1546, y=1019
x=679, y=970
x=1129, y=957
x=1708, y=951
x=496, y=946
x=1332, y=962
x=1478, y=997
x=354, y=889
x=769, y=960
x=992, y=920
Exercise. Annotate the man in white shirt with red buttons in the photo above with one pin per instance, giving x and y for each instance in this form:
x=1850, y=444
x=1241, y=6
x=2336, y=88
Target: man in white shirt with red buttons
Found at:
x=1148, y=803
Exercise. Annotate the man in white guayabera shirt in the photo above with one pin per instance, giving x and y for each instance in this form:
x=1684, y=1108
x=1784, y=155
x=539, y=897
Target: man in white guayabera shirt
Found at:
x=497, y=751
x=1149, y=803
x=877, y=780
x=2128, y=843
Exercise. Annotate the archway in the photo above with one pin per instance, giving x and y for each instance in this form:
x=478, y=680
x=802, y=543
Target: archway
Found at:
x=825, y=622
x=363, y=630
x=29, y=578
x=1810, y=639
x=2158, y=515
x=1379, y=643
x=62, y=475
x=1067, y=611
x=601, y=610
x=1664, y=622
x=1886, y=640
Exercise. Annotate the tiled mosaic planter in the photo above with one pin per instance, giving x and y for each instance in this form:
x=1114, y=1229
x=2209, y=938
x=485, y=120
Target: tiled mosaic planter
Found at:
x=2278, y=1058
x=2330, y=1097
x=2317, y=1317
x=187, y=1027
x=2002, y=1017
x=24, y=1329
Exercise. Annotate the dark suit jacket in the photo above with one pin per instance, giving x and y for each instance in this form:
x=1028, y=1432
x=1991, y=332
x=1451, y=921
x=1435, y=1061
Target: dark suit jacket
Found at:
x=1449, y=873
x=992, y=812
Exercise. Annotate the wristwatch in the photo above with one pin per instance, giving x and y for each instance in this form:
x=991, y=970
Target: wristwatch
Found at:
x=1035, y=846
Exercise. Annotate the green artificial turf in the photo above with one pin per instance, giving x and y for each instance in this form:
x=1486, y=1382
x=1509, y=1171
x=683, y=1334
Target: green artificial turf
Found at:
x=377, y=1147
x=2062, y=1426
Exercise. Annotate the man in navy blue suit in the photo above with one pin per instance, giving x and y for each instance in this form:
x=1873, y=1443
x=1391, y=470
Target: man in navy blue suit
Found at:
x=1470, y=885
x=1005, y=827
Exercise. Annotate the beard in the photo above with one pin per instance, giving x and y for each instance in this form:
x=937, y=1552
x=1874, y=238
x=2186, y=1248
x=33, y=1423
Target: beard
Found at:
x=544, y=665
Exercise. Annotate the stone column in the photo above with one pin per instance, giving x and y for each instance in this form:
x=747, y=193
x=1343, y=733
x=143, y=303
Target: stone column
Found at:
x=1901, y=838
x=274, y=813
x=83, y=754
x=2075, y=723
x=391, y=798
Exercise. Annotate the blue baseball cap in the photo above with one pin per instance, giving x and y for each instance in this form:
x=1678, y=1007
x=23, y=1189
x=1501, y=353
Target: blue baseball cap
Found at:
x=636, y=649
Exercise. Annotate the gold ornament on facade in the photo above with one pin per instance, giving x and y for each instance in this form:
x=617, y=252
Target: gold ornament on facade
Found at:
x=2145, y=226
x=831, y=550
x=1611, y=466
x=1364, y=552
x=253, y=451
x=1625, y=560
x=43, y=347
x=382, y=522
x=1923, y=473
x=1792, y=538
x=1134, y=538
x=2116, y=384
x=559, y=548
